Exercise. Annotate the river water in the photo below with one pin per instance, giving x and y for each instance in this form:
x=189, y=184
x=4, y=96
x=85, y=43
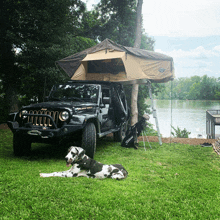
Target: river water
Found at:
x=189, y=114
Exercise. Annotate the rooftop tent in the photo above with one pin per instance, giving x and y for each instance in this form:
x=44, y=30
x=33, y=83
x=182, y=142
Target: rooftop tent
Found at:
x=108, y=61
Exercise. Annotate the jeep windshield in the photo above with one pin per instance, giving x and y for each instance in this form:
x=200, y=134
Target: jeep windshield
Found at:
x=75, y=92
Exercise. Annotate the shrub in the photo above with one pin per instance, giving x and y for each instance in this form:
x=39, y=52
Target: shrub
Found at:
x=180, y=133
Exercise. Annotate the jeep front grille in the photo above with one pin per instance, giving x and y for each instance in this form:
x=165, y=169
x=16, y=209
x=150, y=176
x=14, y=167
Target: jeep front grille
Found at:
x=40, y=120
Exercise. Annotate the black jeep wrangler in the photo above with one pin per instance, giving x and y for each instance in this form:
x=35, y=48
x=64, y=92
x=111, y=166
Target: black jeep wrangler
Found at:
x=77, y=110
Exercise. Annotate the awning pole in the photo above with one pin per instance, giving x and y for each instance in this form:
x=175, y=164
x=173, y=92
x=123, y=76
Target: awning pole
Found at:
x=154, y=112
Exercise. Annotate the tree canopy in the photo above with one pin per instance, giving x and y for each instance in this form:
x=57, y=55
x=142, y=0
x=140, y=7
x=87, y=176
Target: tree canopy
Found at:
x=36, y=33
x=118, y=23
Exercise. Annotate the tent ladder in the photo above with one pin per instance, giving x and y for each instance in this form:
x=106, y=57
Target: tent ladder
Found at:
x=154, y=112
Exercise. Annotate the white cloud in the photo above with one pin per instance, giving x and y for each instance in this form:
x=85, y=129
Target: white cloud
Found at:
x=182, y=18
x=198, y=53
x=198, y=61
x=217, y=48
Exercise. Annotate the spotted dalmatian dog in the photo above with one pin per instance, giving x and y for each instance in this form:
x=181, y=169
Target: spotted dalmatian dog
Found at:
x=84, y=166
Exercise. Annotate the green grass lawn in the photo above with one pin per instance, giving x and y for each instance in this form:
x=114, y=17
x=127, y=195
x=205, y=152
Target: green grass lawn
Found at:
x=172, y=181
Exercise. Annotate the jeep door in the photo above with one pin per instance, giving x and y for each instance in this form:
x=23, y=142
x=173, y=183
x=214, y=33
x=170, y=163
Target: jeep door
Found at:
x=106, y=110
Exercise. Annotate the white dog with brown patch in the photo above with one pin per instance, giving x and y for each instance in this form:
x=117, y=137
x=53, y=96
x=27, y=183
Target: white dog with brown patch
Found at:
x=84, y=166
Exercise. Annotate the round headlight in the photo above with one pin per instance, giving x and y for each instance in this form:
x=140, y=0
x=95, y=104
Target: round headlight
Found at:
x=64, y=116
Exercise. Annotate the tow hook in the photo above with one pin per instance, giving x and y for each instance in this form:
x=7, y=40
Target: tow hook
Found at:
x=39, y=133
x=34, y=132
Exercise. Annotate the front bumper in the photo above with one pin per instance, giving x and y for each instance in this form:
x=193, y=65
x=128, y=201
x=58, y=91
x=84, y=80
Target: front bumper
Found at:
x=40, y=133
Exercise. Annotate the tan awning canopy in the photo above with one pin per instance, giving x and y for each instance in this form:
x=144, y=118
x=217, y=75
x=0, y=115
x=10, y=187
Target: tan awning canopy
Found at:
x=104, y=55
x=109, y=61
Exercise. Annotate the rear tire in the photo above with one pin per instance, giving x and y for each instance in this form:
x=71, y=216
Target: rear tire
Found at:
x=120, y=135
x=21, y=145
x=89, y=139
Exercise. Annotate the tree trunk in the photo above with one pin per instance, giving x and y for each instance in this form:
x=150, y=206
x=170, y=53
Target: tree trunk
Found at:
x=134, y=108
x=137, y=44
x=9, y=84
x=11, y=99
x=9, y=80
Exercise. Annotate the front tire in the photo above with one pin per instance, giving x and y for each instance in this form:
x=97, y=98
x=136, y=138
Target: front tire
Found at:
x=89, y=139
x=21, y=145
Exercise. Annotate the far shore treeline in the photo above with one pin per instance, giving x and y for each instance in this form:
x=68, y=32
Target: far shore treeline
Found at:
x=191, y=88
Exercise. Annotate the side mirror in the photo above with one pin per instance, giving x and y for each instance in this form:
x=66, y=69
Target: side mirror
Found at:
x=106, y=100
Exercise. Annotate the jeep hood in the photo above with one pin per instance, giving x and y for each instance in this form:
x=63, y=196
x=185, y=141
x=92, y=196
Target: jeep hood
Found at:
x=60, y=104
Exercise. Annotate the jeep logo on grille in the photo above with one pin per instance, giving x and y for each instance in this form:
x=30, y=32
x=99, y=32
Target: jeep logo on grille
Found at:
x=44, y=109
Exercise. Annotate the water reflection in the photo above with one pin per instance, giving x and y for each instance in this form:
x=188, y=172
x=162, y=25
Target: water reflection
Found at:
x=187, y=114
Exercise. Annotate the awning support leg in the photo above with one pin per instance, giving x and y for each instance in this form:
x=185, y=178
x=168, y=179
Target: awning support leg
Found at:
x=154, y=112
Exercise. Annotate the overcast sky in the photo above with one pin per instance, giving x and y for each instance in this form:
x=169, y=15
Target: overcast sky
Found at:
x=188, y=30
